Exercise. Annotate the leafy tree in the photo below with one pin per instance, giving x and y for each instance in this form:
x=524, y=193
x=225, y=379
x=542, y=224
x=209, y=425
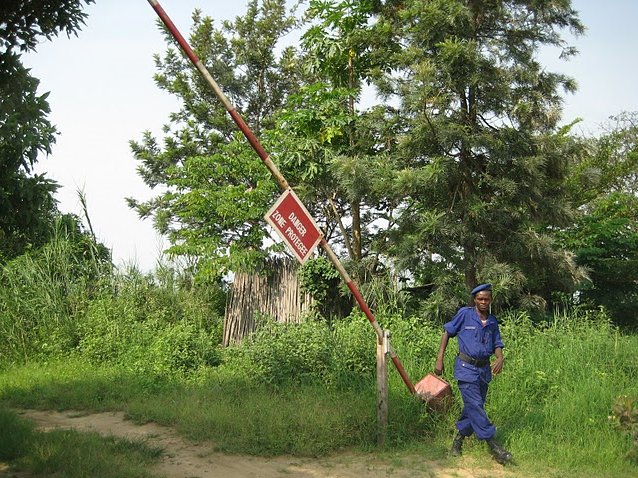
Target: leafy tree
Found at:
x=604, y=238
x=27, y=207
x=482, y=163
x=459, y=176
x=214, y=189
x=25, y=21
x=328, y=150
x=336, y=150
x=331, y=147
x=609, y=163
x=605, y=241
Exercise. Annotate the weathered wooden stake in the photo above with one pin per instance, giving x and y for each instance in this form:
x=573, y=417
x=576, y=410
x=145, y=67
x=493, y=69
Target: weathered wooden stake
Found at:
x=383, y=349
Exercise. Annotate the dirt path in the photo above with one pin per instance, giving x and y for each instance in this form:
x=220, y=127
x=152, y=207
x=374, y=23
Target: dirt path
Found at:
x=183, y=459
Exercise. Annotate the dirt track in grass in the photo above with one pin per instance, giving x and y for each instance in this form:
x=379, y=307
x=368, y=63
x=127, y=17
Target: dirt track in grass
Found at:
x=184, y=459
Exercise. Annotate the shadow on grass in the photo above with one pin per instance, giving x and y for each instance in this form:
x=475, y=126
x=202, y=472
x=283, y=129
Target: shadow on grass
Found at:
x=68, y=453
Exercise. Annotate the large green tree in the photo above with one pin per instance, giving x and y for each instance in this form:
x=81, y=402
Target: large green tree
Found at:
x=458, y=174
x=308, y=118
x=483, y=162
x=603, y=184
x=605, y=241
x=608, y=163
x=27, y=206
x=214, y=190
x=331, y=147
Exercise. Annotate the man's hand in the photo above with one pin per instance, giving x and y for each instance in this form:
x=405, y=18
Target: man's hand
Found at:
x=438, y=367
x=497, y=367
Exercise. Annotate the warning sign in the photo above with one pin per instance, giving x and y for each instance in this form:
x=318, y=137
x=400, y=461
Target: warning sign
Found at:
x=295, y=226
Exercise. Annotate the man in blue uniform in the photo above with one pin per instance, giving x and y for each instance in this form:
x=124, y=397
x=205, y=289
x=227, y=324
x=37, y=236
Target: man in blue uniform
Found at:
x=479, y=338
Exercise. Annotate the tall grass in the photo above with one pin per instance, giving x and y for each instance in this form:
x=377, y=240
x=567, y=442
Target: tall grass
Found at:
x=551, y=404
x=561, y=381
x=241, y=415
x=149, y=345
x=59, y=301
x=39, y=294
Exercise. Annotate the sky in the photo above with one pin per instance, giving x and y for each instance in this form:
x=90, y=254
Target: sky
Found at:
x=102, y=95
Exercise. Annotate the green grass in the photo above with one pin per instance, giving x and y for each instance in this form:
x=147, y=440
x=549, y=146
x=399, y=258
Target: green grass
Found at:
x=71, y=454
x=242, y=417
x=554, y=399
x=551, y=404
x=74, y=336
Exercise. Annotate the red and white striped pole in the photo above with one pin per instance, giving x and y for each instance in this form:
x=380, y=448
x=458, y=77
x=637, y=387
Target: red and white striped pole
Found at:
x=283, y=184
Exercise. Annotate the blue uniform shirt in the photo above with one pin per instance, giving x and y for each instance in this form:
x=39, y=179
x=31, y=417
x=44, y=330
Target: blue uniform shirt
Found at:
x=474, y=340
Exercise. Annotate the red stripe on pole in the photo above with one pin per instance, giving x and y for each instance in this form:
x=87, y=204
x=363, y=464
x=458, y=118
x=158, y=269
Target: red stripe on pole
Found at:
x=404, y=375
x=364, y=307
x=174, y=31
x=250, y=136
x=359, y=298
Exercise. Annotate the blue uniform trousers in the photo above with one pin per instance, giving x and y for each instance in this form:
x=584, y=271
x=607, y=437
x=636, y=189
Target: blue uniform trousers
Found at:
x=473, y=417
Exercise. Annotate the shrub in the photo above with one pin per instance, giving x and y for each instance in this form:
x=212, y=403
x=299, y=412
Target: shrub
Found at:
x=319, y=278
x=290, y=353
x=354, y=350
x=40, y=293
x=625, y=417
x=112, y=332
x=180, y=347
x=342, y=354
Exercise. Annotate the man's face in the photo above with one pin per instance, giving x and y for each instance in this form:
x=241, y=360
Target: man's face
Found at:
x=483, y=300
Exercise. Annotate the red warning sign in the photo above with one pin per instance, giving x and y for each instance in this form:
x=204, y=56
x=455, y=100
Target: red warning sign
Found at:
x=295, y=226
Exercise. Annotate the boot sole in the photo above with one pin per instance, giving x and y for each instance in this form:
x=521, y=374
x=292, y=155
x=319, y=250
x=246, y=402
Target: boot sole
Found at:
x=503, y=460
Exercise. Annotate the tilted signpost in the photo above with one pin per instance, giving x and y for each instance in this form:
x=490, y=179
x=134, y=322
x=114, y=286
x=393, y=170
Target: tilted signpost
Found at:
x=294, y=224
x=288, y=216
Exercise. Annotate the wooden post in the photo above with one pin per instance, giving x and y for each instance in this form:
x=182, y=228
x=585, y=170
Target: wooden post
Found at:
x=383, y=349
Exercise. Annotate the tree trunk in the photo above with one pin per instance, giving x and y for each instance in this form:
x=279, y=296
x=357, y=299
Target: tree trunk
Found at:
x=356, y=230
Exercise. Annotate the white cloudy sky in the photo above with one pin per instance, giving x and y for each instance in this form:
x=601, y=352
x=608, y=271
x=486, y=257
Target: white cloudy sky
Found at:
x=102, y=95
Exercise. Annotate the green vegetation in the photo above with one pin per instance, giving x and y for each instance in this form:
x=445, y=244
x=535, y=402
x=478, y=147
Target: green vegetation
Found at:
x=461, y=172
x=455, y=173
x=625, y=416
x=426, y=140
x=71, y=454
x=26, y=133
x=309, y=389
x=148, y=345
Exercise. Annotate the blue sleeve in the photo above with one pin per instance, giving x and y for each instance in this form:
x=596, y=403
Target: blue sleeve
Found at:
x=454, y=326
x=498, y=343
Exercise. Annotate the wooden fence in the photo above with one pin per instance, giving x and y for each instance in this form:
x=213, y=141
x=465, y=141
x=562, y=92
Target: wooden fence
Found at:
x=274, y=293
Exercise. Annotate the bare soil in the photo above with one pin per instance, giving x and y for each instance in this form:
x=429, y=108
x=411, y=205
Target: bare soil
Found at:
x=184, y=459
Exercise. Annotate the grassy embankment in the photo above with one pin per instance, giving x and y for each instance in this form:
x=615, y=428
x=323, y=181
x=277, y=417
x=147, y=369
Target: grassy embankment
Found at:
x=148, y=346
x=71, y=454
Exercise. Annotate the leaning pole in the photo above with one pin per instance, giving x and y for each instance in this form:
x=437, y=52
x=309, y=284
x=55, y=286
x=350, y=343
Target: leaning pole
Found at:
x=279, y=178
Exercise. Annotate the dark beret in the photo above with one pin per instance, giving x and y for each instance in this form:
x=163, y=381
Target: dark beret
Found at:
x=481, y=287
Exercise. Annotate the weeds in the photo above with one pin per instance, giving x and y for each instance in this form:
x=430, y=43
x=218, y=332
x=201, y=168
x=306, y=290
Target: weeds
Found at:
x=625, y=417
x=148, y=345
x=72, y=454
x=16, y=436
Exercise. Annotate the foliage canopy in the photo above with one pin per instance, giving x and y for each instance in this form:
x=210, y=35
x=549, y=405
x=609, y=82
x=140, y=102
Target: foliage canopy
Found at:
x=459, y=173
x=25, y=130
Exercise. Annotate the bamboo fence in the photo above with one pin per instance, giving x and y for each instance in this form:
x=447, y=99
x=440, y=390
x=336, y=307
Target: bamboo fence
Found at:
x=274, y=293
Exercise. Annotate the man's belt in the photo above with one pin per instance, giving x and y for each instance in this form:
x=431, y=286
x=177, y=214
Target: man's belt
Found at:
x=473, y=361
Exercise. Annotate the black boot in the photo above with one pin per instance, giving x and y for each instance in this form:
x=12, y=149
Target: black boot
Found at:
x=457, y=444
x=500, y=454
